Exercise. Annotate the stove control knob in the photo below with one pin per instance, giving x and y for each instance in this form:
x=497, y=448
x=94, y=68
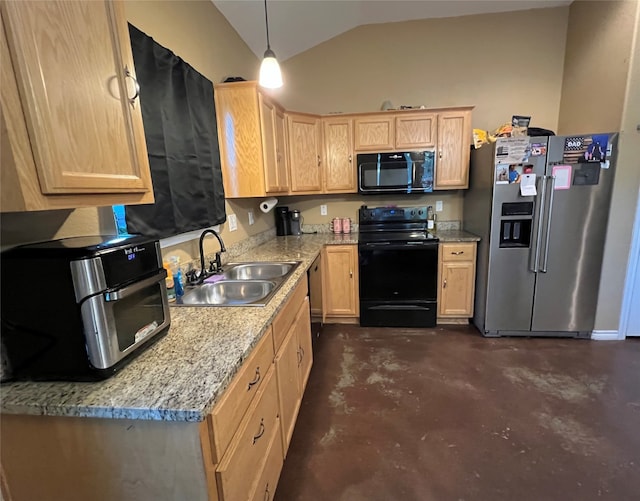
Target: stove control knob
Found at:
x=420, y=212
x=413, y=213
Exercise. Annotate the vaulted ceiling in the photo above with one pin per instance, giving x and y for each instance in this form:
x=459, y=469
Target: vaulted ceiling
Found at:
x=298, y=25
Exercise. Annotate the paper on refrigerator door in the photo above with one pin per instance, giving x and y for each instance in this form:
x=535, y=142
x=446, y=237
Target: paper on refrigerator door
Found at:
x=528, y=185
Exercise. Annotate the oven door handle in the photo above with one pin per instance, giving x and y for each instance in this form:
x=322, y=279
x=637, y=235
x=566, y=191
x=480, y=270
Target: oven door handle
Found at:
x=399, y=307
x=397, y=246
x=133, y=288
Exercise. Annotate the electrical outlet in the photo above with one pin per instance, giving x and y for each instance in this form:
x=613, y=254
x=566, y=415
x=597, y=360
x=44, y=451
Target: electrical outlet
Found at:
x=438, y=205
x=251, y=220
x=233, y=222
x=323, y=210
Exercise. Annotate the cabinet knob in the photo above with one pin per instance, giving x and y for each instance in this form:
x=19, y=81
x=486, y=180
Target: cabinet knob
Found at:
x=440, y=154
x=350, y=158
x=444, y=284
x=318, y=160
x=350, y=274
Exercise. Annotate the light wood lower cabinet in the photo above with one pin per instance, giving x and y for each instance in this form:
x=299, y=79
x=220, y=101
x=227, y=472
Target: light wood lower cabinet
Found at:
x=293, y=362
x=456, y=281
x=235, y=454
x=340, y=296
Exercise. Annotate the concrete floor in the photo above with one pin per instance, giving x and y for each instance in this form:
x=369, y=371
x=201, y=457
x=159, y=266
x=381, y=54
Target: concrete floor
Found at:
x=445, y=414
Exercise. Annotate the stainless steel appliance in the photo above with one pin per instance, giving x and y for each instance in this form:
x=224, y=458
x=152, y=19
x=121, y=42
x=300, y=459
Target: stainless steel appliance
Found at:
x=539, y=260
x=398, y=263
x=80, y=308
x=396, y=172
x=295, y=222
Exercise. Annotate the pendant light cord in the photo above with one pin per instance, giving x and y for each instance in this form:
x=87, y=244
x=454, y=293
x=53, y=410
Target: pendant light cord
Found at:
x=266, y=21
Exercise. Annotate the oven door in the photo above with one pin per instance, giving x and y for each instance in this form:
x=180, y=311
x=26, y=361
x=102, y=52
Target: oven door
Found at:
x=410, y=172
x=118, y=322
x=398, y=284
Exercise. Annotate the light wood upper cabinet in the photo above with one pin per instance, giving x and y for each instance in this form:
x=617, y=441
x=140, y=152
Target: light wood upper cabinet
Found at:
x=248, y=135
x=72, y=134
x=340, y=295
x=273, y=141
x=374, y=133
x=282, y=167
x=339, y=162
x=456, y=277
x=305, y=161
x=454, y=148
x=415, y=131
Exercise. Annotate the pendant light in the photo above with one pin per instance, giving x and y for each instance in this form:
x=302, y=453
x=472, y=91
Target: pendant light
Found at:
x=270, y=75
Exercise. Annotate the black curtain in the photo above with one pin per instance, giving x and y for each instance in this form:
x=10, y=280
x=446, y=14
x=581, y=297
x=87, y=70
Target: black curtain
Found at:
x=179, y=118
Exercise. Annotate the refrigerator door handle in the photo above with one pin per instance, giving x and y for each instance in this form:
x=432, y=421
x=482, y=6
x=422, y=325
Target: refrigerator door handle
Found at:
x=541, y=199
x=547, y=237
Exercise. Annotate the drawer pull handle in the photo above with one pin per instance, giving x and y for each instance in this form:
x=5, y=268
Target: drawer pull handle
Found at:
x=260, y=433
x=267, y=494
x=457, y=253
x=255, y=379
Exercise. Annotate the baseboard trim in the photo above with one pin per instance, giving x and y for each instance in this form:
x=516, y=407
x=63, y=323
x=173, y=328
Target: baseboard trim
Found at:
x=605, y=336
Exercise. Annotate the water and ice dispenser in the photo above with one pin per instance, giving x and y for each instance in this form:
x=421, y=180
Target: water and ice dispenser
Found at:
x=515, y=224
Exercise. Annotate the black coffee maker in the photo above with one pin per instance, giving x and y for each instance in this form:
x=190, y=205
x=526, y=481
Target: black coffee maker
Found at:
x=283, y=225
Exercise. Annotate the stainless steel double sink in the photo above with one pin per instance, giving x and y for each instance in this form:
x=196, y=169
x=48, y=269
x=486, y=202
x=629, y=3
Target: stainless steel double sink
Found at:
x=241, y=284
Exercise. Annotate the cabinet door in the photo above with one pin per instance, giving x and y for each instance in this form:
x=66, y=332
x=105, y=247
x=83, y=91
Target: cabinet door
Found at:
x=240, y=139
x=282, y=167
x=339, y=170
x=288, y=385
x=374, y=133
x=75, y=75
x=268, y=133
x=416, y=131
x=305, y=352
x=456, y=276
x=454, y=143
x=304, y=153
x=340, y=284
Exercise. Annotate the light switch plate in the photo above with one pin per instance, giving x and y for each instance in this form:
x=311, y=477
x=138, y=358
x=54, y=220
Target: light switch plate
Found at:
x=233, y=222
x=438, y=205
x=251, y=220
x=323, y=210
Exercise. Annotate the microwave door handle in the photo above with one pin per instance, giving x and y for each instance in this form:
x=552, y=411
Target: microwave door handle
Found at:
x=541, y=204
x=548, y=235
x=133, y=288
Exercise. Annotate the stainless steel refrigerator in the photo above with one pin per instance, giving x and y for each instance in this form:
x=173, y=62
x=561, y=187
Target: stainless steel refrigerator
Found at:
x=540, y=256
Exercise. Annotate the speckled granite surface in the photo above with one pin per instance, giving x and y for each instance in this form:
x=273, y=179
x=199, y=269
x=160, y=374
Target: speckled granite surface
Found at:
x=181, y=377
x=456, y=236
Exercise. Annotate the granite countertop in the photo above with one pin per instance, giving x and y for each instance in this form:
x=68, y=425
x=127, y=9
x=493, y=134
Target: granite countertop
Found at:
x=180, y=377
x=456, y=236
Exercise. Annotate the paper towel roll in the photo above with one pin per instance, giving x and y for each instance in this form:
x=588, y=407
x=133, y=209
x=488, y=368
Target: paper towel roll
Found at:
x=268, y=204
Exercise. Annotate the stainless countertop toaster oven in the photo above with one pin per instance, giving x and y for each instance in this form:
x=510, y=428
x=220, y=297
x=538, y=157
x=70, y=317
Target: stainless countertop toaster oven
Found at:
x=80, y=308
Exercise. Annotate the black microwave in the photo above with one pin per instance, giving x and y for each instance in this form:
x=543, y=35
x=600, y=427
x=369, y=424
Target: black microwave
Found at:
x=396, y=172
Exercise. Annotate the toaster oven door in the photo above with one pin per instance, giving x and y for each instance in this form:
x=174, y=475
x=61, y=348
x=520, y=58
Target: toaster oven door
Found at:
x=116, y=323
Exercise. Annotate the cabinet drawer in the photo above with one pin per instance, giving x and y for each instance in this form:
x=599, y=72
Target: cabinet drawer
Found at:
x=285, y=318
x=228, y=413
x=268, y=481
x=458, y=252
x=240, y=469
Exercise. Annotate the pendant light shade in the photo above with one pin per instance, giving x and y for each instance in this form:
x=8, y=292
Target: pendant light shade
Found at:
x=270, y=74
